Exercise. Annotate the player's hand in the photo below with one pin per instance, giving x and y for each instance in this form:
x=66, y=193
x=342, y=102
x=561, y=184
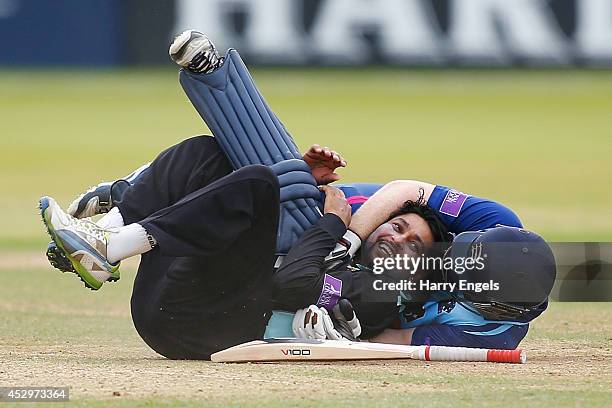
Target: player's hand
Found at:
x=315, y=322
x=335, y=203
x=308, y=323
x=323, y=162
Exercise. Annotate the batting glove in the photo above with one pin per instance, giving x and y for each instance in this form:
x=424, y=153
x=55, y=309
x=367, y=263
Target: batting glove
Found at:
x=315, y=322
x=344, y=250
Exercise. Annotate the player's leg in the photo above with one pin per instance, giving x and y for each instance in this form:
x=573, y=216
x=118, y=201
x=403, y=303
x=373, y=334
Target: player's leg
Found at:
x=100, y=198
x=207, y=283
x=212, y=218
x=190, y=307
x=191, y=50
x=94, y=252
x=177, y=171
x=185, y=159
x=248, y=131
x=245, y=127
x=225, y=95
x=195, y=52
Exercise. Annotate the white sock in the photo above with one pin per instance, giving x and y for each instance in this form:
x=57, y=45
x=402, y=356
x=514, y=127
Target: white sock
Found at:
x=128, y=241
x=111, y=219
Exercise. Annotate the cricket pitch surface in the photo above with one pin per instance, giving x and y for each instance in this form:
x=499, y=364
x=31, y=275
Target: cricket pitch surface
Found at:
x=57, y=333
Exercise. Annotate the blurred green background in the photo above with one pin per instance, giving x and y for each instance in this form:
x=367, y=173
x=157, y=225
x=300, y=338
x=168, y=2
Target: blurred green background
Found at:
x=539, y=141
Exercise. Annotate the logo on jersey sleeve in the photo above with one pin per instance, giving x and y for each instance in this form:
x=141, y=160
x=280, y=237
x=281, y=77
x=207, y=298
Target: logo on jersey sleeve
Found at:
x=331, y=292
x=453, y=202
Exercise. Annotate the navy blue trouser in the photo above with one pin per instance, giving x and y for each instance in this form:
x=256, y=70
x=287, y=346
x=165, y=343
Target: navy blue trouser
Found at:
x=207, y=285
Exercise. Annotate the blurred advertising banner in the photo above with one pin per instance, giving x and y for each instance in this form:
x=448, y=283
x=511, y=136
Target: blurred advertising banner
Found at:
x=326, y=32
x=411, y=32
x=60, y=32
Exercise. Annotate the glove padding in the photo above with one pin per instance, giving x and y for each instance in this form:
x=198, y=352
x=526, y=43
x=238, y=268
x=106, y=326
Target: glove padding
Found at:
x=315, y=322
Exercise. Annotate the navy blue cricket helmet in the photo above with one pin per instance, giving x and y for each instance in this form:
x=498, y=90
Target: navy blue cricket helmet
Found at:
x=519, y=262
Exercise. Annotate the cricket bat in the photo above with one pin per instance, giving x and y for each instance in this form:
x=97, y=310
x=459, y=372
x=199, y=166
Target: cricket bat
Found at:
x=329, y=350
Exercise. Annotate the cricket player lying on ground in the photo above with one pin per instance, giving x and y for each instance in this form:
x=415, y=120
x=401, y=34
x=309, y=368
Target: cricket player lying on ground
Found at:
x=524, y=271
x=208, y=240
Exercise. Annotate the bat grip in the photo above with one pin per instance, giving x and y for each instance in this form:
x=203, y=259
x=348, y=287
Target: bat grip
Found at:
x=507, y=356
x=443, y=353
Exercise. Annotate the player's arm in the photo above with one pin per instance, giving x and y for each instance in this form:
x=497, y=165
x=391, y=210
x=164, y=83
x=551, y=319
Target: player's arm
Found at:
x=460, y=212
x=298, y=282
x=386, y=201
x=303, y=278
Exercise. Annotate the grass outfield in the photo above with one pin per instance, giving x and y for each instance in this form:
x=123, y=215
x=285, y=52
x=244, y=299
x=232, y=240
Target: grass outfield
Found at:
x=538, y=141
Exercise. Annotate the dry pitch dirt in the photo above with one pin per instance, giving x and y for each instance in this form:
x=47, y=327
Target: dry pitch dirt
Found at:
x=62, y=335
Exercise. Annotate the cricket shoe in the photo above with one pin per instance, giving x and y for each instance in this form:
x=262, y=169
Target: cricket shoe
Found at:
x=98, y=199
x=58, y=259
x=82, y=242
x=194, y=51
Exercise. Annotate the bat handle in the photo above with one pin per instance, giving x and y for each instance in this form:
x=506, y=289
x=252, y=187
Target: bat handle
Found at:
x=507, y=356
x=444, y=353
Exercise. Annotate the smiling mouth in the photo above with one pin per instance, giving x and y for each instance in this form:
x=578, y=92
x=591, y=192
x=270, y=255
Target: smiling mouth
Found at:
x=386, y=248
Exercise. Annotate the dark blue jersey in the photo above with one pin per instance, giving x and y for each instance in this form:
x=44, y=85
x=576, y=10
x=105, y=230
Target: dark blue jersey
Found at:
x=443, y=321
x=461, y=212
x=458, y=211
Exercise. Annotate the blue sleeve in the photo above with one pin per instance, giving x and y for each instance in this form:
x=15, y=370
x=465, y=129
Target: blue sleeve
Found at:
x=461, y=212
x=466, y=336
